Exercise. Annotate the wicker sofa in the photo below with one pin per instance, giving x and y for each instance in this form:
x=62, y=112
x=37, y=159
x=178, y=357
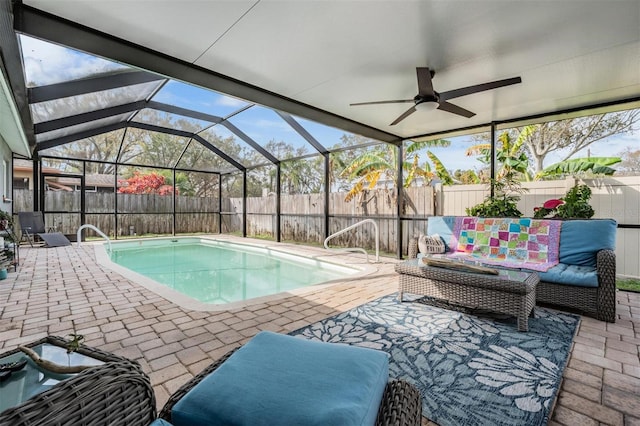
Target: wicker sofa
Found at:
x=585, y=279
x=116, y=393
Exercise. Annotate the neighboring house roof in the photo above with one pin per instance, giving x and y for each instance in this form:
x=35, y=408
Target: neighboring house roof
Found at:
x=64, y=183
x=99, y=180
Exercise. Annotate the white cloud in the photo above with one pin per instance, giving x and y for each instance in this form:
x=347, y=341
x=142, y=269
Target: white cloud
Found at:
x=230, y=102
x=275, y=125
x=47, y=63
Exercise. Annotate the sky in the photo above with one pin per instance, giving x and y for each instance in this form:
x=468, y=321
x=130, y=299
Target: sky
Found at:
x=47, y=63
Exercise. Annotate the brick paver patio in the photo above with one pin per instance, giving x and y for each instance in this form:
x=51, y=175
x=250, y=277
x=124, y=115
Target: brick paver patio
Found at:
x=57, y=290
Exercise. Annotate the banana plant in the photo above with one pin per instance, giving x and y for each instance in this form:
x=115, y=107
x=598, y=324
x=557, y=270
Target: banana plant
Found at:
x=368, y=168
x=595, y=165
x=441, y=170
x=373, y=165
x=507, y=186
x=508, y=153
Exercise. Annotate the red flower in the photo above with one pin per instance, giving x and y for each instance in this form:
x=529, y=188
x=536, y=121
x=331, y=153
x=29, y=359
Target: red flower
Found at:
x=552, y=204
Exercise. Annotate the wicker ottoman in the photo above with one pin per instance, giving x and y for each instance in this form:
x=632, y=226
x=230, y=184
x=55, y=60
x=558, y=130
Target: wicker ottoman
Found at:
x=510, y=292
x=401, y=403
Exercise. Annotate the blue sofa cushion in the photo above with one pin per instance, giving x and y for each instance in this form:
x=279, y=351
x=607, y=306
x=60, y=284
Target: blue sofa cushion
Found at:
x=580, y=240
x=582, y=276
x=286, y=380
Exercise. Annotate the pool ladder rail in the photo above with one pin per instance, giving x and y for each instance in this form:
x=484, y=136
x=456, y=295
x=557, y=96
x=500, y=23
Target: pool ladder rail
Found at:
x=99, y=232
x=358, y=249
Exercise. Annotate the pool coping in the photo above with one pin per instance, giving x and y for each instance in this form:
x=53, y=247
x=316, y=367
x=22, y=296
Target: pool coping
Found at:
x=186, y=302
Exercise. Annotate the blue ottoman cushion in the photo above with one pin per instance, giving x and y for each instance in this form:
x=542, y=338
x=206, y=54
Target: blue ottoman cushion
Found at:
x=280, y=379
x=160, y=422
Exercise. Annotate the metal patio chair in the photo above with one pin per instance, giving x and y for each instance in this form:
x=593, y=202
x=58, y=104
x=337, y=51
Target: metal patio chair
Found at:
x=32, y=227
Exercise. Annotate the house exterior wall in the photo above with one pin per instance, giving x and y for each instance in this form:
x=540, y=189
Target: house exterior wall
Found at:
x=6, y=182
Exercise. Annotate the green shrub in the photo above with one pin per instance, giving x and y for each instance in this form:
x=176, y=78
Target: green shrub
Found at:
x=576, y=204
x=502, y=206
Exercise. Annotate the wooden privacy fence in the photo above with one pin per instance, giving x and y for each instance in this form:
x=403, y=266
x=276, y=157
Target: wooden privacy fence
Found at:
x=302, y=216
x=138, y=214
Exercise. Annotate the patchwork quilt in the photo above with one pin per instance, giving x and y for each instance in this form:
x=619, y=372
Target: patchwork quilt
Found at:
x=511, y=242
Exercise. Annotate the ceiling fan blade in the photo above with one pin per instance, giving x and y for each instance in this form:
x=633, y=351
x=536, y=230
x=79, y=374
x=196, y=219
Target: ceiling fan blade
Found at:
x=444, y=96
x=404, y=115
x=425, y=86
x=455, y=109
x=399, y=101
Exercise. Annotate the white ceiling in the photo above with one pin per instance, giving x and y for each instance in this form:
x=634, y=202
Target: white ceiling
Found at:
x=328, y=54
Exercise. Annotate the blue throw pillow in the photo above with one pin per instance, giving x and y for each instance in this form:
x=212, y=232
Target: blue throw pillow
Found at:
x=443, y=226
x=277, y=379
x=580, y=240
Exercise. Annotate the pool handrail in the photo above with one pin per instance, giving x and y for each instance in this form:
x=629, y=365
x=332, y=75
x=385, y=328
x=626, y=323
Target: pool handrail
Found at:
x=359, y=249
x=99, y=232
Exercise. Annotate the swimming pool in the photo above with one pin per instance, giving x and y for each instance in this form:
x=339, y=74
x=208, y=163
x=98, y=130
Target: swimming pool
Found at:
x=217, y=272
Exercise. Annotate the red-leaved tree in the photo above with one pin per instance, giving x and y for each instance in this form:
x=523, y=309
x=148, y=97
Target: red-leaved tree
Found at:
x=151, y=183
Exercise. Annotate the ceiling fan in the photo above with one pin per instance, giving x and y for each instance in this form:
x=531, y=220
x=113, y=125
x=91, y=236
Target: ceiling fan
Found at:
x=429, y=99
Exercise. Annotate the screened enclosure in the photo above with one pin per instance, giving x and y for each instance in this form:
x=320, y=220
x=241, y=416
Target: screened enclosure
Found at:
x=139, y=154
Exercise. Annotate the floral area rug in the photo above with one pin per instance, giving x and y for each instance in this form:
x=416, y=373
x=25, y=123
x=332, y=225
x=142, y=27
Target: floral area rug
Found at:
x=471, y=369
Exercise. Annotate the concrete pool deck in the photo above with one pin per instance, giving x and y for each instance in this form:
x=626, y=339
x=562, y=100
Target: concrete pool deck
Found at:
x=58, y=290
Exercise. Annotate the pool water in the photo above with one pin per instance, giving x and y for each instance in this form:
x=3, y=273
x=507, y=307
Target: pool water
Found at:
x=218, y=272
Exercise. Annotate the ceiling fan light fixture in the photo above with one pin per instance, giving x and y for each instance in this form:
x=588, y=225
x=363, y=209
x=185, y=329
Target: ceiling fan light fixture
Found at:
x=427, y=106
x=428, y=99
